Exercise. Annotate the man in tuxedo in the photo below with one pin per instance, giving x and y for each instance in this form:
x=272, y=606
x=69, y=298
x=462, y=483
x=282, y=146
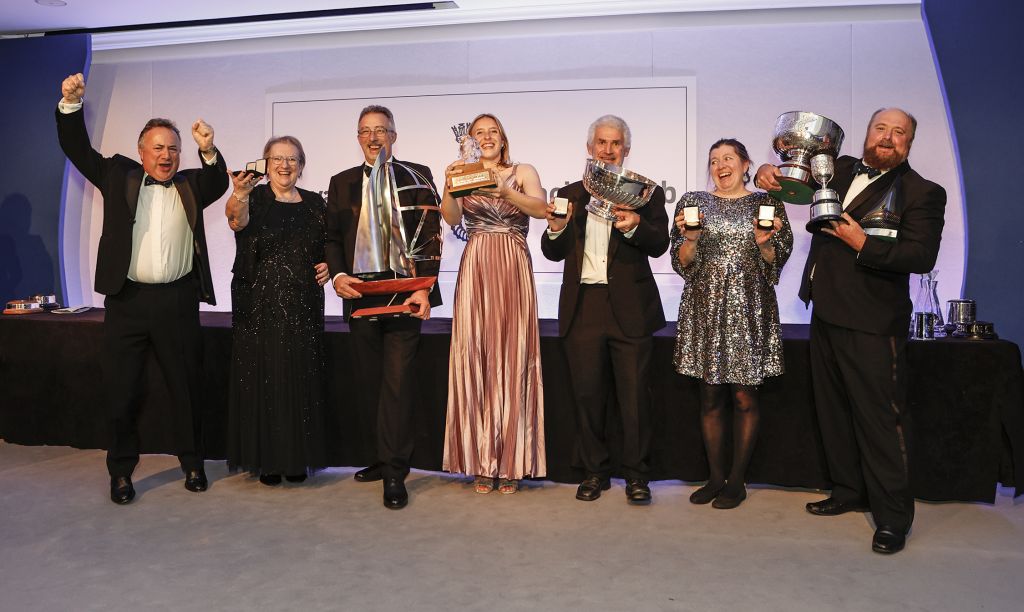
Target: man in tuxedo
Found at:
x=857, y=275
x=356, y=252
x=152, y=266
x=608, y=311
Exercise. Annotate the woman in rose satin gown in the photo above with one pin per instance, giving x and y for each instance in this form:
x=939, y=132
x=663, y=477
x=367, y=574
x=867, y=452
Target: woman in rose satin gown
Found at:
x=495, y=424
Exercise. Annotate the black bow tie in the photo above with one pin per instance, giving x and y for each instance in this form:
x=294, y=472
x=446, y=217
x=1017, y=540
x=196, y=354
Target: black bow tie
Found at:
x=152, y=181
x=860, y=168
x=367, y=169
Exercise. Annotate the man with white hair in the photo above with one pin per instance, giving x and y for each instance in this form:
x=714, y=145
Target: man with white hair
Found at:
x=608, y=311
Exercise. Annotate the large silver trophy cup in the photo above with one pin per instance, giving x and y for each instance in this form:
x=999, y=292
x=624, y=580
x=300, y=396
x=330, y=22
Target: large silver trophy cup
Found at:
x=798, y=137
x=615, y=187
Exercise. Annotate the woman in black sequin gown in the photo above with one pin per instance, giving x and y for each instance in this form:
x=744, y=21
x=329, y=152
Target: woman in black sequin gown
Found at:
x=276, y=395
x=728, y=333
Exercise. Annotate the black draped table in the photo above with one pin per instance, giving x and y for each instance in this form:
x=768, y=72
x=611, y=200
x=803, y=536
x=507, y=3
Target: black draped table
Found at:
x=966, y=402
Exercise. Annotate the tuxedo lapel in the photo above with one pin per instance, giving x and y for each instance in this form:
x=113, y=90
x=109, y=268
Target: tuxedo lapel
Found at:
x=876, y=188
x=188, y=199
x=582, y=218
x=132, y=186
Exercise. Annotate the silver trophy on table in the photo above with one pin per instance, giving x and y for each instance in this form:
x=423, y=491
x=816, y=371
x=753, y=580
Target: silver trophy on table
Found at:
x=615, y=187
x=799, y=137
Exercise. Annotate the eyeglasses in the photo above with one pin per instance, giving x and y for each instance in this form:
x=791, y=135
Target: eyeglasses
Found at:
x=280, y=160
x=379, y=132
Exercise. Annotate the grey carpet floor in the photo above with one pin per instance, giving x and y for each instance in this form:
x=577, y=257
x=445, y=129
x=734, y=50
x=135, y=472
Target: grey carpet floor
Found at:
x=329, y=544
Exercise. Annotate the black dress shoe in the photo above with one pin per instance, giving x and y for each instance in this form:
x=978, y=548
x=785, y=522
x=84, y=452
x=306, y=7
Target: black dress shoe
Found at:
x=730, y=498
x=637, y=492
x=372, y=473
x=888, y=540
x=834, y=507
x=121, y=490
x=195, y=480
x=395, y=494
x=271, y=480
x=590, y=489
x=296, y=478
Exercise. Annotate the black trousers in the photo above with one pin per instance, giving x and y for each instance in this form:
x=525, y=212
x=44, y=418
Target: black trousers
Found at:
x=860, y=388
x=385, y=351
x=602, y=358
x=164, y=319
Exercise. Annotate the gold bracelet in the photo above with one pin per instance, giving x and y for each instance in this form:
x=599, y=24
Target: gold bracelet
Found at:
x=238, y=199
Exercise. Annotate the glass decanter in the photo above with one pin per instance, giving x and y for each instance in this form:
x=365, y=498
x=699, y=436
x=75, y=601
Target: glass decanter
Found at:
x=926, y=321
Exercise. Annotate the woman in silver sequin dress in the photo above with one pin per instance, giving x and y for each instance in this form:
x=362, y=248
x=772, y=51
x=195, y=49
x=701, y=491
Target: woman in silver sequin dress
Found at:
x=728, y=333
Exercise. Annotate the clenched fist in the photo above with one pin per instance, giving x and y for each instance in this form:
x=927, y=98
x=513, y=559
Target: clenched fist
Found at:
x=73, y=88
x=202, y=132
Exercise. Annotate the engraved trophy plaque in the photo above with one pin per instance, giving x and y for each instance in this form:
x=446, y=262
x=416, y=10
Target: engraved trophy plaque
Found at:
x=472, y=175
x=798, y=137
x=614, y=187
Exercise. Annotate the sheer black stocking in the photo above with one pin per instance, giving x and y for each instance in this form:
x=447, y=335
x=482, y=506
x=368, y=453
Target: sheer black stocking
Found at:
x=746, y=418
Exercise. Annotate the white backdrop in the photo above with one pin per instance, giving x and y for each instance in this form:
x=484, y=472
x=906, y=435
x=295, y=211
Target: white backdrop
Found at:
x=718, y=58
x=546, y=125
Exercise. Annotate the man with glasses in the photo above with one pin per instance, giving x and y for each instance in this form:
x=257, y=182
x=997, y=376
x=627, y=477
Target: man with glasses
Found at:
x=385, y=348
x=153, y=267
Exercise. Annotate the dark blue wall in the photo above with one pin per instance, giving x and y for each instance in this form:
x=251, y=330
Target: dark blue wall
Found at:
x=979, y=47
x=32, y=171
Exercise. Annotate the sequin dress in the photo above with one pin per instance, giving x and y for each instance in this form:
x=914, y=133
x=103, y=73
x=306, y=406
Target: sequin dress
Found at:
x=276, y=393
x=495, y=422
x=728, y=329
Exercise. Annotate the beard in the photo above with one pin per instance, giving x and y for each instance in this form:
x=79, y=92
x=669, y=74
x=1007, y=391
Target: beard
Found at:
x=882, y=157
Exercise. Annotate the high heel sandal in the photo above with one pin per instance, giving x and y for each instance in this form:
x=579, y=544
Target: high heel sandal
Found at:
x=508, y=486
x=483, y=484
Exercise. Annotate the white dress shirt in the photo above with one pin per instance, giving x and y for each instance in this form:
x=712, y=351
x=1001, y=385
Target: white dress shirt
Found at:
x=597, y=236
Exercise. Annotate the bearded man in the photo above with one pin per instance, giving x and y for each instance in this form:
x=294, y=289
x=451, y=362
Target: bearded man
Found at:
x=857, y=274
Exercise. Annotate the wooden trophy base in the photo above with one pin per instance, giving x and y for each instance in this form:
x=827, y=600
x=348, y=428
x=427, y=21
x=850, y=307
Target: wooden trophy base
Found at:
x=471, y=177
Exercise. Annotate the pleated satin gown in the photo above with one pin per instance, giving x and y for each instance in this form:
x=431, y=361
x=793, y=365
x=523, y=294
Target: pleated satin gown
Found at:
x=495, y=422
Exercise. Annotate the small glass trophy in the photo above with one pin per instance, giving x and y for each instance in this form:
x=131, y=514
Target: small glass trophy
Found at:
x=472, y=175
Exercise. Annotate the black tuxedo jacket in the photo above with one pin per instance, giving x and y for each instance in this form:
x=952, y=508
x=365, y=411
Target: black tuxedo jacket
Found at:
x=119, y=179
x=634, y=295
x=870, y=291
x=344, y=204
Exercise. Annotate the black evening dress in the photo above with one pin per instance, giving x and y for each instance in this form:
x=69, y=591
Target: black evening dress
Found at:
x=276, y=395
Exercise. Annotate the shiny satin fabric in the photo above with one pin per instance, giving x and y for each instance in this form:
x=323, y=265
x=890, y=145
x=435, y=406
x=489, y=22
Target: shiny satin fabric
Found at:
x=495, y=422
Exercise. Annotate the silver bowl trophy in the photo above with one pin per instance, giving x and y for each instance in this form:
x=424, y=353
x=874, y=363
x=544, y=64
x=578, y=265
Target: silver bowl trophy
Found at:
x=615, y=187
x=799, y=136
